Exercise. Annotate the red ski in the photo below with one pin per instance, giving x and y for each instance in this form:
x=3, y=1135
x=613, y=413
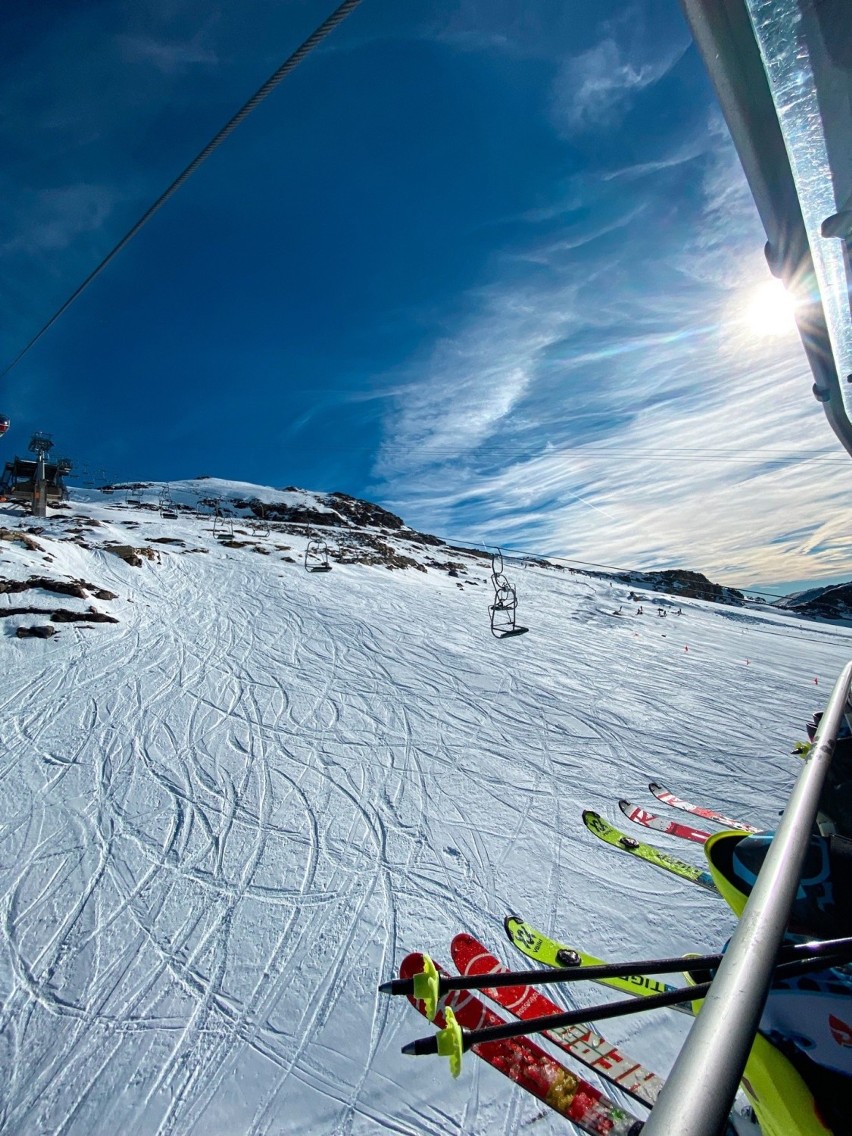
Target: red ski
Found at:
x=707, y=814
x=662, y=824
x=525, y=1063
x=581, y=1042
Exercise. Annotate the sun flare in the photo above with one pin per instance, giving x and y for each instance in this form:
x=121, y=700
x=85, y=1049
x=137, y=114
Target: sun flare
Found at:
x=770, y=310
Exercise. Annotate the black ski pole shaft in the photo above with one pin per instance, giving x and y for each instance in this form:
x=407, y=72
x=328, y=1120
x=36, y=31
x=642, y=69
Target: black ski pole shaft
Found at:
x=578, y=973
x=545, y=975
x=606, y=1010
x=560, y=1021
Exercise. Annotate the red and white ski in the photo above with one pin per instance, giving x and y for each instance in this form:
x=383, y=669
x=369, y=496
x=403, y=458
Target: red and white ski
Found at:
x=525, y=1063
x=662, y=824
x=581, y=1041
x=707, y=814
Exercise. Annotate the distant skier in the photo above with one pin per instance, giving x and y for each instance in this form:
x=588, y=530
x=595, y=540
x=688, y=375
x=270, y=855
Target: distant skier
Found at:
x=639, y=610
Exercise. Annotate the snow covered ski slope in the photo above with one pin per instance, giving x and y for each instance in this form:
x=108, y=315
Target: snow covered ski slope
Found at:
x=228, y=816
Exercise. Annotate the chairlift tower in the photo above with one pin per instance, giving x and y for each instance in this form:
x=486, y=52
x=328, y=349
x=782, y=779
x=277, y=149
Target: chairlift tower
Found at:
x=40, y=445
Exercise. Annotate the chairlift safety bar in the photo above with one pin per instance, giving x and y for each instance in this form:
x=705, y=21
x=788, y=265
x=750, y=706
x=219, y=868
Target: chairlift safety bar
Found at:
x=699, y=1092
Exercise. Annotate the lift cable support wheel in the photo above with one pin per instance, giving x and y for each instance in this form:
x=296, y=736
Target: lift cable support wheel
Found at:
x=316, y=556
x=503, y=611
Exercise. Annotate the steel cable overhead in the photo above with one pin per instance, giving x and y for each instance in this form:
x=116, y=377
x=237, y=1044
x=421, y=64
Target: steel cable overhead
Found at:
x=328, y=25
x=461, y=543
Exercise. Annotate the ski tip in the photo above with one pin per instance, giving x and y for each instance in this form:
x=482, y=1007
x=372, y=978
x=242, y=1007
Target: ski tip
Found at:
x=590, y=814
x=624, y=804
x=509, y=920
x=654, y=786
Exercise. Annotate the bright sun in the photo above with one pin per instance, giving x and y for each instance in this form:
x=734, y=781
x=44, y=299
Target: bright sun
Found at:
x=770, y=309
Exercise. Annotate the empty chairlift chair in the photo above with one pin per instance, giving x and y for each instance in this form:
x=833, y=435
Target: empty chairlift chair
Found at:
x=168, y=509
x=223, y=524
x=316, y=556
x=504, y=608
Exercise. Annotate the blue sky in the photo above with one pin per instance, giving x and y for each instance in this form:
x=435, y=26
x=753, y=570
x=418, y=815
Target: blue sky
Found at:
x=490, y=264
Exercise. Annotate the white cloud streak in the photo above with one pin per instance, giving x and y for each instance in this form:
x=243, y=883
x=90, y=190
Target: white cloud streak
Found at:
x=616, y=409
x=593, y=89
x=55, y=218
x=168, y=57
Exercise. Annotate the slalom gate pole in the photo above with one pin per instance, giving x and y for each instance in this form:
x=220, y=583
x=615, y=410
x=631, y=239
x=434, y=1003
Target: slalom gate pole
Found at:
x=700, y=1089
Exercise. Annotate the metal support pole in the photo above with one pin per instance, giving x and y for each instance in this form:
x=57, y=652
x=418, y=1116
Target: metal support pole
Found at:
x=40, y=489
x=700, y=1090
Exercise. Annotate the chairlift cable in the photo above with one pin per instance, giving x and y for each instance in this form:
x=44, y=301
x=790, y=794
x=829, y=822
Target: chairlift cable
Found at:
x=328, y=25
x=461, y=542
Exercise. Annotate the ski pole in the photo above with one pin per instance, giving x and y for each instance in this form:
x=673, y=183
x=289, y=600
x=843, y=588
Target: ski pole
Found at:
x=439, y=984
x=453, y=1040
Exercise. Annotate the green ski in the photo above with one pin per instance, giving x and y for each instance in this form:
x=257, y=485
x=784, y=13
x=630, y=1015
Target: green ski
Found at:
x=549, y=952
x=647, y=852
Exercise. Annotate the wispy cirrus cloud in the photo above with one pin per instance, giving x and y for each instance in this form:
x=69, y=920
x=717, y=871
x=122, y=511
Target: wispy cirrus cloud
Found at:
x=168, y=57
x=475, y=382
x=593, y=89
x=612, y=402
x=525, y=31
x=56, y=217
x=685, y=153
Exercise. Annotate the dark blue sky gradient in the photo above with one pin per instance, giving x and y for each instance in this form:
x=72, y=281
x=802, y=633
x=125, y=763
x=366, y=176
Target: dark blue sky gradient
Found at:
x=464, y=243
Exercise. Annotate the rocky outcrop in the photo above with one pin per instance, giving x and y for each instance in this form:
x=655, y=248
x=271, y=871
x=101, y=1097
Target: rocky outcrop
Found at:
x=683, y=582
x=364, y=514
x=39, y=632
x=59, y=587
x=282, y=512
x=834, y=603
x=21, y=538
x=131, y=555
x=373, y=551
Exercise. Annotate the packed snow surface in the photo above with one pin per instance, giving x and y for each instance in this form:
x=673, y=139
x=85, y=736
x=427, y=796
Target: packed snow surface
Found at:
x=227, y=817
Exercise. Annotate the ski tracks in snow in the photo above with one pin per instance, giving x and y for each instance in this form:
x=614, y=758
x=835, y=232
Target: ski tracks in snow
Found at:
x=230, y=816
